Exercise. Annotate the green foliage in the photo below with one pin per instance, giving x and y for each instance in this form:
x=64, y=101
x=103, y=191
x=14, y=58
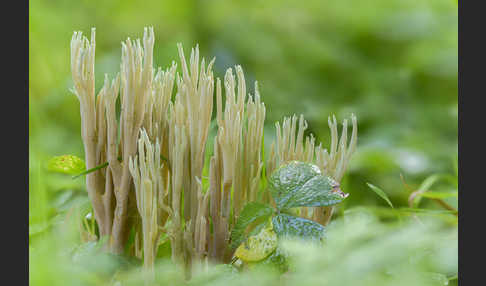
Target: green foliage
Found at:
x=425, y=187
x=440, y=195
x=290, y=226
x=252, y=212
x=258, y=246
x=393, y=63
x=360, y=249
x=278, y=259
x=67, y=164
x=380, y=193
x=299, y=184
x=295, y=184
x=91, y=170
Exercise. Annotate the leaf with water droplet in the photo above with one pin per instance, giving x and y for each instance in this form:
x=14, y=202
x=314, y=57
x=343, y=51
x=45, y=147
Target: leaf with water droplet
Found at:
x=287, y=226
x=259, y=246
x=299, y=184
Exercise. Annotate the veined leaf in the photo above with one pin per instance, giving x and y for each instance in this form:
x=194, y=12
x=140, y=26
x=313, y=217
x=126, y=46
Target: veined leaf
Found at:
x=259, y=246
x=252, y=213
x=380, y=193
x=291, y=226
x=66, y=164
x=300, y=184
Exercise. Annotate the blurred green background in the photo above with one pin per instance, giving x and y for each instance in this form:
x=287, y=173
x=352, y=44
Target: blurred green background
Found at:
x=391, y=62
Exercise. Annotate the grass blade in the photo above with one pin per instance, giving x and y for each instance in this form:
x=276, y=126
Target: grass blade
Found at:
x=380, y=193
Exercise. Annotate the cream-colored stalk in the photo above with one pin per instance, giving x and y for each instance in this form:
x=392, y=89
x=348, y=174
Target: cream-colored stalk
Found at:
x=146, y=170
x=100, y=128
x=156, y=123
x=83, y=73
x=196, y=94
x=218, y=242
x=190, y=117
x=178, y=149
x=236, y=164
x=136, y=86
x=230, y=124
x=94, y=127
x=249, y=163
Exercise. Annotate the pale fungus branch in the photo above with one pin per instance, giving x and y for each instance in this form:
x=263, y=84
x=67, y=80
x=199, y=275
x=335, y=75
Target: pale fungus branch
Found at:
x=146, y=164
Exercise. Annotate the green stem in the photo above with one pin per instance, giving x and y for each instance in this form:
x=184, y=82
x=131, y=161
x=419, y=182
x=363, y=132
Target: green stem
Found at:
x=91, y=170
x=104, y=165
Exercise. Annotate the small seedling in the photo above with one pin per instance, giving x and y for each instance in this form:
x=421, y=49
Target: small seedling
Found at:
x=296, y=184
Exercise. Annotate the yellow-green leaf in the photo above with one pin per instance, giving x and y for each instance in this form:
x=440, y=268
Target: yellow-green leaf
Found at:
x=66, y=164
x=252, y=213
x=259, y=246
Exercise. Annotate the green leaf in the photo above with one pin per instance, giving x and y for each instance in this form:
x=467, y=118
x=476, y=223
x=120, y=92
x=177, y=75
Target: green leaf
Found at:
x=429, y=181
x=424, y=187
x=299, y=184
x=259, y=246
x=66, y=164
x=101, y=166
x=380, y=193
x=278, y=259
x=291, y=226
x=253, y=213
x=439, y=195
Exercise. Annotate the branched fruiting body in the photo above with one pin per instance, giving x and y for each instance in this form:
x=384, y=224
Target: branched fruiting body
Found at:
x=156, y=148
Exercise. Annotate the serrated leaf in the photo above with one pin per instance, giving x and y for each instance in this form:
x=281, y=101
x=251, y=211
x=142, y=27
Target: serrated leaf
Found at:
x=299, y=184
x=259, y=246
x=251, y=213
x=291, y=226
x=66, y=164
x=380, y=193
